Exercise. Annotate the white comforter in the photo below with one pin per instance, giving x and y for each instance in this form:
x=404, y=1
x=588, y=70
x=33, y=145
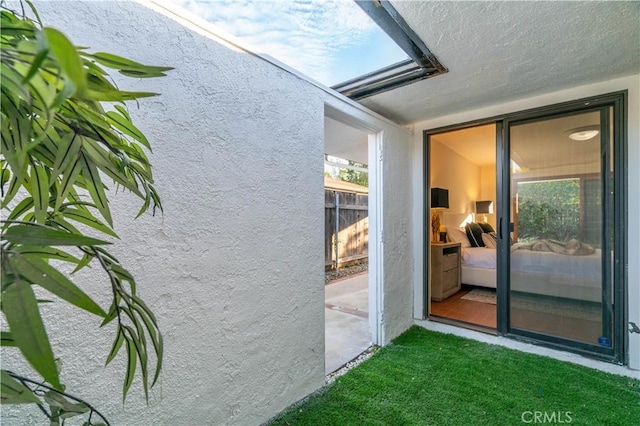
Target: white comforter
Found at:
x=588, y=267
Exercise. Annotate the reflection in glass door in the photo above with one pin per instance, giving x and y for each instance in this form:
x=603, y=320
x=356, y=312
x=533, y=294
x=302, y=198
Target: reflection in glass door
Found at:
x=560, y=261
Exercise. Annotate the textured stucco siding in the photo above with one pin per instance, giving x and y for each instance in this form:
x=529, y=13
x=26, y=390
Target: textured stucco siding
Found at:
x=234, y=267
x=632, y=85
x=397, y=235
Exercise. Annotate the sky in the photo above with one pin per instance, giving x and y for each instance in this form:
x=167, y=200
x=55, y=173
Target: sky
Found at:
x=330, y=41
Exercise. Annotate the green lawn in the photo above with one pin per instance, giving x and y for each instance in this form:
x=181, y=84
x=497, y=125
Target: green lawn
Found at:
x=428, y=378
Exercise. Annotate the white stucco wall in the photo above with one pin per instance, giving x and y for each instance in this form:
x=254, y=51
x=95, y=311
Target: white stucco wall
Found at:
x=632, y=84
x=234, y=267
x=397, y=235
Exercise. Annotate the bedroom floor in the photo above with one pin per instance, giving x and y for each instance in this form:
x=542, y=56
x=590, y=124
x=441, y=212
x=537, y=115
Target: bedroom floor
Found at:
x=470, y=311
x=583, y=325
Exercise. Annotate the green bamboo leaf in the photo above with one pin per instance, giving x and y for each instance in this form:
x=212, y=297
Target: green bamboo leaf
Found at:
x=113, y=311
x=69, y=178
x=67, y=55
x=122, y=110
x=123, y=124
x=96, y=188
x=140, y=346
x=39, y=191
x=39, y=272
x=38, y=235
x=23, y=207
x=68, y=148
x=14, y=392
x=127, y=65
x=83, y=216
x=122, y=273
x=5, y=177
x=16, y=134
x=146, y=203
x=35, y=65
x=145, y=172
x=117, y=95
x=156, y=339
x=108, y=257
x=45, y=253
x=44, y=151
x=67, y=408
x=115, y=348
x=34, y=11
x=141, y=74
x=6, y=339
x=131, y=365
x=138, y=301
x=101, y=159
x=58, y=222
x=68, y=89
x=42, y=91
x=11, y=81
x=14, y=186
x=84, y=262
x=20, y=309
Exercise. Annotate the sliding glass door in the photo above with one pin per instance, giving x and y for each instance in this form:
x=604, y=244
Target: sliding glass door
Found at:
x=558, y=238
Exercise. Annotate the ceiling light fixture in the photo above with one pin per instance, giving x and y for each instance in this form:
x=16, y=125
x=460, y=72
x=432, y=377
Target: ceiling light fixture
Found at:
x=583, y=133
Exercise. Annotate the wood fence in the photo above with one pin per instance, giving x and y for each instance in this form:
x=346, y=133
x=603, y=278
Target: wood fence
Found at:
x=346, y=227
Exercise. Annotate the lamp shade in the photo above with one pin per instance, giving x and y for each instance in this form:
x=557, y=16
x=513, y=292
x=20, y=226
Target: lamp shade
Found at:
x=439, y=198
x=484, y=207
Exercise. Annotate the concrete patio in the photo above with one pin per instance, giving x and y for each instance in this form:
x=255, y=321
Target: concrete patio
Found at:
x=346, y=320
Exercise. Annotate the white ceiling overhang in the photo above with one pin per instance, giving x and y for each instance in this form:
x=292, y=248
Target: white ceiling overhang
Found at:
x=502, y=51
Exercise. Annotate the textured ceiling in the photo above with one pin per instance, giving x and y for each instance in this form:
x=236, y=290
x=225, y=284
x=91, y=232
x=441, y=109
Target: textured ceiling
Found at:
x=476, y=144
x=502, y=51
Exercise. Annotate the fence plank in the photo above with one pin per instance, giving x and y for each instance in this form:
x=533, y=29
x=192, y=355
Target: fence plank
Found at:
x=353, y=226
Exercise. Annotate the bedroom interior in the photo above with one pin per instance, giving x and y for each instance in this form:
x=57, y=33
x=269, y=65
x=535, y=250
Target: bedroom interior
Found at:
x=556, y=269
x=464, y=161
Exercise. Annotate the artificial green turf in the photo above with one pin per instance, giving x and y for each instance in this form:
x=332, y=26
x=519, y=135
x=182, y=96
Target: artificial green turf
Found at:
x=429, y=378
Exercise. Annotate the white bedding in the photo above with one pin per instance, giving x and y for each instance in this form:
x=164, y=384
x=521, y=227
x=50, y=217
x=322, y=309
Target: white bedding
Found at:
x=537, y=262
x=538, y=272
x=479, y=257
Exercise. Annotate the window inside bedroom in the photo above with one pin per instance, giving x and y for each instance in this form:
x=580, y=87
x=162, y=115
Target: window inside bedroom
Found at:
x=560, y=209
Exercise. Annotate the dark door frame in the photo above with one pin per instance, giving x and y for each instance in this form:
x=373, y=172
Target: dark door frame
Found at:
x=618, y=102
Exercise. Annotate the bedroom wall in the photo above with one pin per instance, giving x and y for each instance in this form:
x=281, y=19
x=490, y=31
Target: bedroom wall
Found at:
x=450, y=170
x=488, y=191
x=630, y=83
x=237, y=285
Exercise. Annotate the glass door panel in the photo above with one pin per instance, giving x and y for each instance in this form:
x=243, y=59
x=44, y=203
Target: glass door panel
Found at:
x=561, y=239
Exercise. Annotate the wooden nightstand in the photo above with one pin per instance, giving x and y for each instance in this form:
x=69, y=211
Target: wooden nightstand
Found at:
x=445, y=270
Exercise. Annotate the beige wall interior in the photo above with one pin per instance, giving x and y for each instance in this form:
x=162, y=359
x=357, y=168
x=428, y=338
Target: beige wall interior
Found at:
x=463, y=162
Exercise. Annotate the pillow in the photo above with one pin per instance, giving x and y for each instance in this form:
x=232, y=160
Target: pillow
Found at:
x=474, y=233
x=486, y=227
x=458, y=236
x=490, y=240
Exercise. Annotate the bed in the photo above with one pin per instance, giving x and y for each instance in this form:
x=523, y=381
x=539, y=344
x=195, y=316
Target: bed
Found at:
x=539, y=272
x=549, y=274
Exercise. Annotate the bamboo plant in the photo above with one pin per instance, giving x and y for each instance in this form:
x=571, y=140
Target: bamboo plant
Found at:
x=67, y=134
